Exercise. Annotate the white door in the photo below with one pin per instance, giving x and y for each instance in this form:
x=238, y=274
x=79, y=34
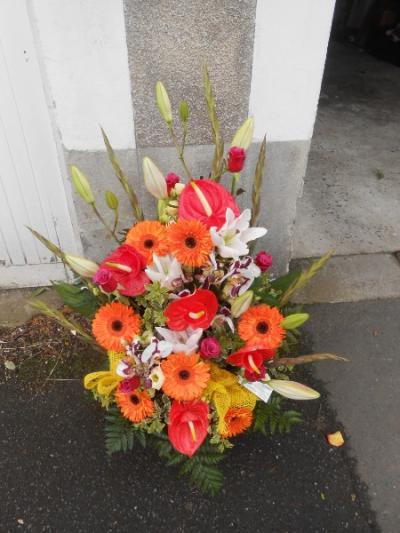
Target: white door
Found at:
x=31, y=170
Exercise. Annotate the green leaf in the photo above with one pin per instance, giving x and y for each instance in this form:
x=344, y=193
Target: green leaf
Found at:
x=284, y=282
x=269, y=417
x=122, y=178
x=294, y=321
x=257, y=183
x=78, y=298
x=305, y=277
x=215, y=128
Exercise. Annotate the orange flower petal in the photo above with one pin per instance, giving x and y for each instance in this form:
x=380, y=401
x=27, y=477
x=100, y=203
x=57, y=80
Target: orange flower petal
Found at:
x=335, y=439
x=148, y=237
x=186, y=376
x=261, y=326
x=190, y=242
x=113, y=323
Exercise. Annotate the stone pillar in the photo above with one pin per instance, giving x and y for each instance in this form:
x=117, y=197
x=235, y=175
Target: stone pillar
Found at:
x=265, y=59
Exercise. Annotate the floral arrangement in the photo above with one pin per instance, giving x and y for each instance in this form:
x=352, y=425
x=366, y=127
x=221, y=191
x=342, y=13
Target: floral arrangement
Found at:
x=196, y=333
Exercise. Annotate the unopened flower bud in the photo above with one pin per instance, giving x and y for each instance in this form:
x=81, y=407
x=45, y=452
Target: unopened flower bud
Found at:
x=241, y=303
x=82, y=185
x=163, y=103
x=111, y=200
x=82, y=266
x=244, y=134
x=154, y=179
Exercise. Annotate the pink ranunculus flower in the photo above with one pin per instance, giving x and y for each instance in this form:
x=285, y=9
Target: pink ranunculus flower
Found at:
x=210, y=348
x=236, y=159
x=171, y=179
x=207, y=201
x=263, y=261
x=105, y=280
x=129, y=384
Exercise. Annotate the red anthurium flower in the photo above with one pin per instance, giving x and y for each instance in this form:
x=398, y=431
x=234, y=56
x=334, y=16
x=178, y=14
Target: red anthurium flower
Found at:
x=123, y=270
x=251, y=359
x=207, y=201
x=197, y=310
x=188, y=424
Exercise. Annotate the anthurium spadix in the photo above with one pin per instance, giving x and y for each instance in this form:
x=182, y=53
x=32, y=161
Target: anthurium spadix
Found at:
x=293, y=390
x=154, y=179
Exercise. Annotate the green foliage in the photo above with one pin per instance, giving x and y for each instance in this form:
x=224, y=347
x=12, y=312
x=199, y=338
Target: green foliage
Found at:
x=78, y=298
x=154, y=301
x=120, y=433
x=269, y=417
x=257, y=183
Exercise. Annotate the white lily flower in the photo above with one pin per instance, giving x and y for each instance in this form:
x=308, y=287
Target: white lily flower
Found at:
x=156, y=349
x=186, y=341
x=166, y=270
x=157, y=377
x=232, y=238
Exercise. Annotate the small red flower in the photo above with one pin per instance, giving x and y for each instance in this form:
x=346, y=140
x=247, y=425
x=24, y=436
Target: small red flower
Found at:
x=188, y=424
x=251, y=359
x=171, y=180
x=207, y=201
x=263, y=261
x=197, y=310
x=123, y=270
x=236, y=159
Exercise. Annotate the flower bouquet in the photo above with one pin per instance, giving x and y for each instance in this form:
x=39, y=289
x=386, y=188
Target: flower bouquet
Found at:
x=197, y=336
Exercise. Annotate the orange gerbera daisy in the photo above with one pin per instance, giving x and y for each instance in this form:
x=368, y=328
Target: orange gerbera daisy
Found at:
x=148, y=237
x=186, y=376
x=113, y=323
x=261, y=326
x=134, y=405
x=237, y=420
x=190, y=242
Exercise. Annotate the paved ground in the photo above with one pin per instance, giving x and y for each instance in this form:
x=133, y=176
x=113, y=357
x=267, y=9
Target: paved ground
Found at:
x=352, y=192
x=347, y=204
x=365, y=392
x=56, y=476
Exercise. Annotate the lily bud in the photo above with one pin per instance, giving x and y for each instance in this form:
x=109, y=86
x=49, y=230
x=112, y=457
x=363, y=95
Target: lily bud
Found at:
x=82, y=185
x=82, y=266
x=293, y=390
x=241, y=304
x=184, y=111
x=244, y=134
x=294, y=321
x=153, y=179
x=163, y=103
x=111, y=200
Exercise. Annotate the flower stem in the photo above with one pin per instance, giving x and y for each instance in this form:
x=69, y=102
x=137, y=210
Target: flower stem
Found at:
x=96, y=212
x=235, y=179
x=179, y=149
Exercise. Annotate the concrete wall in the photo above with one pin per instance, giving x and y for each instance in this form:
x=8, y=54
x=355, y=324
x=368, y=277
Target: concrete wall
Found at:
x=103, y=57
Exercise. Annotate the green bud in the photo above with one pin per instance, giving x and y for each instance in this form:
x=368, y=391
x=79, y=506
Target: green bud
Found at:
x=111, y=200
x=294, y=321
x=244, y=134
x=163, y=103
x=184, y=111
x=82, y=185
x=241, y=303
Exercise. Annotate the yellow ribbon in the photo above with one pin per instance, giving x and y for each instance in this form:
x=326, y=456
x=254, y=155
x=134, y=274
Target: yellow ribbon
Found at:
x=225, y=392
x=104, y=382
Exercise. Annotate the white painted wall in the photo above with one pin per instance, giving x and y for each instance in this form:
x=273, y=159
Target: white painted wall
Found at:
x=83, y=45
x=291, y=38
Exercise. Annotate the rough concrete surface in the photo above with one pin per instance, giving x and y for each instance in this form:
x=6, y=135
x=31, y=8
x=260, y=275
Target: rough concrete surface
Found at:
x=170, y=40
x=365, y=391
x=351, y=278
x=14, y=307
x=351, y=194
